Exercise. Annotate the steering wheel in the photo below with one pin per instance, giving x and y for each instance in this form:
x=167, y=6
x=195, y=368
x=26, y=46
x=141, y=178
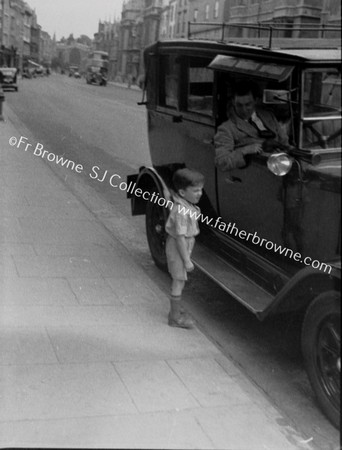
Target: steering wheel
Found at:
x=322, y=140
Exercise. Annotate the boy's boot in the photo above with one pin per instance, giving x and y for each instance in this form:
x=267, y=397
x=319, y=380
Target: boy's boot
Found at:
x=177, y=316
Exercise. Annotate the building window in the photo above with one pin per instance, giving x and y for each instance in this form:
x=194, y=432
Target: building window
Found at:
x=216, y=9
x=207, y=11
x=195, y=15
x=183, y=21
x=178, y=22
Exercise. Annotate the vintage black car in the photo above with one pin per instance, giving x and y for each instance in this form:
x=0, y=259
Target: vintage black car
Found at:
x=271, y=231
x=74, y=72
x=8, y=78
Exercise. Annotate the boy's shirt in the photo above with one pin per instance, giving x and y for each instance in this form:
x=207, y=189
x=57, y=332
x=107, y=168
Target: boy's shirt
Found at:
x=183, y=218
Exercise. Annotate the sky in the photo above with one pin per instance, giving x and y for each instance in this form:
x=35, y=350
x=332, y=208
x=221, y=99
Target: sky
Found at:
x=64, y=17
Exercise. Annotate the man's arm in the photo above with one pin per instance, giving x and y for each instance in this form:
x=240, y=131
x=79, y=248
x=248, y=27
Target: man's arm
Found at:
x=229, y=154
x=271, y=121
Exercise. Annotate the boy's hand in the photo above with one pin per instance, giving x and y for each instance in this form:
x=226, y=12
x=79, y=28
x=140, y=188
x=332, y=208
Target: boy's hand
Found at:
x=189, y=267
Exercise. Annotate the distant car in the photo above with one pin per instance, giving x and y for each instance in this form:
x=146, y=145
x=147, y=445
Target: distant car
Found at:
x=74, y=72
x=8, y=78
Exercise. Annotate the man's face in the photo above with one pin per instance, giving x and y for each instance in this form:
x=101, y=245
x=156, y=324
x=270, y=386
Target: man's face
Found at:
x=244, y=105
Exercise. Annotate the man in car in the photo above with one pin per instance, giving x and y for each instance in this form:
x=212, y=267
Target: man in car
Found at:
x=249, y=130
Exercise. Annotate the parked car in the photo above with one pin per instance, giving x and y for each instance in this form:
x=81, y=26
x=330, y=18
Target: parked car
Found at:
x=8, y=78
x=39, y=71
x=74, y=72
x=287, y=199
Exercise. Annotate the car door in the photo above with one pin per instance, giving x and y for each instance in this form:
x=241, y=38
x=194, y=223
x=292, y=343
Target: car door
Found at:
x=252, y=199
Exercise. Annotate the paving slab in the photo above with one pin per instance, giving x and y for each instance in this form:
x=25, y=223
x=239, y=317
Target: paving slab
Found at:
x=242, y=427
x=20, y=291
x=127, y=342
x=133, y=291
x=94, y=291
x=165, y=430
x=154, y=386
x=119, y=265
x=208, y=382
x=7, y=266
x=49, y=230
x=55, y=391
x=23, y=345
x=55, y=267
x=75, y=249
x=16, y=248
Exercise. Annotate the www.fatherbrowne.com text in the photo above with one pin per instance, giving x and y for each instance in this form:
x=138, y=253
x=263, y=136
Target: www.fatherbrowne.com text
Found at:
x=154, y=197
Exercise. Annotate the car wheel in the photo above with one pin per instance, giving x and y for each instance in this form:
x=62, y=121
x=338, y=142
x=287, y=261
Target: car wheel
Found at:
x=156, y=235
x=321, y=345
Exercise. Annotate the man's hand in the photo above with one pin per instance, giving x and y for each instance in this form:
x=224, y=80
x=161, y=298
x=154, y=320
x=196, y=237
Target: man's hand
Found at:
x=252, y=149
x=189, y=267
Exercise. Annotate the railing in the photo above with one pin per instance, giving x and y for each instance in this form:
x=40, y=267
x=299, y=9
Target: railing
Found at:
x=266, y=34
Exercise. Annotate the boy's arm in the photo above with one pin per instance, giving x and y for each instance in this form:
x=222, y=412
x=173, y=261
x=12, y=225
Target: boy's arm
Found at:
x=182, y=248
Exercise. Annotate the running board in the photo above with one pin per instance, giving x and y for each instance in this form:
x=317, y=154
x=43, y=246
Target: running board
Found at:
x=236, y=284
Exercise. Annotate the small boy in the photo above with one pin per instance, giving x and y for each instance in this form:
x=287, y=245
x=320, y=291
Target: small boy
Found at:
x=182, y=227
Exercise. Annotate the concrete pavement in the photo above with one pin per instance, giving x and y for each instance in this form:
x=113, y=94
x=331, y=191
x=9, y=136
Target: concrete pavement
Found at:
x=87, y=359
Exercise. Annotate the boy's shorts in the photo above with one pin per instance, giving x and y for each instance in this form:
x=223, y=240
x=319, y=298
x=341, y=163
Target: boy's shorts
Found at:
x=175, y=262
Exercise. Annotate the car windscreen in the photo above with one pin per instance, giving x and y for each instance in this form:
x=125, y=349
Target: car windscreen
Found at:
x=321, y=106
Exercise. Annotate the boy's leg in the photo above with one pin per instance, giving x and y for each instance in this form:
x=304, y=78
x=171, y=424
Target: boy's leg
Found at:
x=177, y=316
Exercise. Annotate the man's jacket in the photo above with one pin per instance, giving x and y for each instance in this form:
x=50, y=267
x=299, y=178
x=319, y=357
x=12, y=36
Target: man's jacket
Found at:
x=236, y=134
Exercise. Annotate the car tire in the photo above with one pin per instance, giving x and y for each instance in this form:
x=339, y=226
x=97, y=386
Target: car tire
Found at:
x=321, y=346
x=155, y=220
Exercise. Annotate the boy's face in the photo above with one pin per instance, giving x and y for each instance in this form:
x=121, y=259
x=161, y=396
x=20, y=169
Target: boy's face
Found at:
x=192, y=194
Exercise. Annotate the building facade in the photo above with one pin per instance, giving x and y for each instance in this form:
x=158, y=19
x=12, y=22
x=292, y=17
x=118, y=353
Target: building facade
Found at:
x=107, y=40
x=146, y=21
x=21, y=35
x=131, y=35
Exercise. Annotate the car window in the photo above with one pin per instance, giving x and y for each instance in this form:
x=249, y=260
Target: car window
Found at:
x=322, y=92
x=200, y=88
x=169, y=76
x=321, y=125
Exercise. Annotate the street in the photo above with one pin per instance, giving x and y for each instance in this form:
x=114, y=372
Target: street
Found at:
x=104, y=128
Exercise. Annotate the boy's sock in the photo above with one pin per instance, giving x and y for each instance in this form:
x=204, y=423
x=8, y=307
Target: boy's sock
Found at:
x=177, y=316
x=175, y=306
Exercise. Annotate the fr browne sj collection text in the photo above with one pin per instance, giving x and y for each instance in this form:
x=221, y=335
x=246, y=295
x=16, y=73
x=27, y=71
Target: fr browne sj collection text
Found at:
x=95, y=172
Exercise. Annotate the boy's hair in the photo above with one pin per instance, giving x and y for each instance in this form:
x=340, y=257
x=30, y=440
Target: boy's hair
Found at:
x=184, y=178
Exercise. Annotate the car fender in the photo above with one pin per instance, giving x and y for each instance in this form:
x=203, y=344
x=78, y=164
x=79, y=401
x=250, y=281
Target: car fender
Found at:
x=148, y=179
x=306, y=285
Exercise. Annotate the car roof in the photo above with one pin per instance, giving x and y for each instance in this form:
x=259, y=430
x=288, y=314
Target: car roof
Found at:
x=314, y=54
x=291, y=51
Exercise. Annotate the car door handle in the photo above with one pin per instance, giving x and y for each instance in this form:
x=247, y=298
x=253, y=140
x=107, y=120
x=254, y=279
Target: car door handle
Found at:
x=231, y=179
x=177, y=119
